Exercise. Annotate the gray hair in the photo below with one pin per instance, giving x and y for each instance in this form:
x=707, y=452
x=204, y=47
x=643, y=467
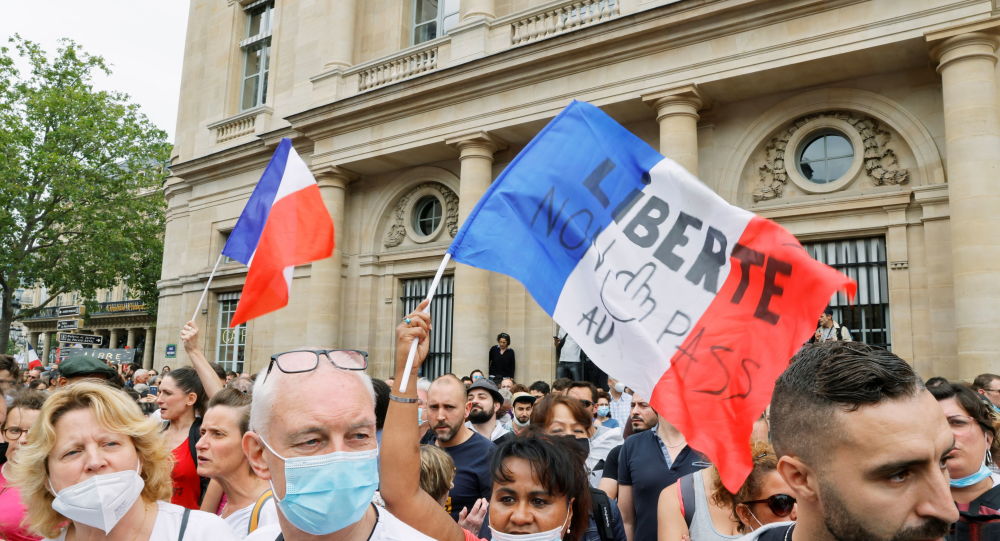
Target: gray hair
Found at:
x=423, y=384
x=263, y=396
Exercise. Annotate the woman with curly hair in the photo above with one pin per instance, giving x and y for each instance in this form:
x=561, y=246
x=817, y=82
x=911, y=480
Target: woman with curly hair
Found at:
x=95, y=467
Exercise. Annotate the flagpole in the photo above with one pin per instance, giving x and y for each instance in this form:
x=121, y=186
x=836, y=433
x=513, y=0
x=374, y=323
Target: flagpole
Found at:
x=413, y=345
x=205, y=291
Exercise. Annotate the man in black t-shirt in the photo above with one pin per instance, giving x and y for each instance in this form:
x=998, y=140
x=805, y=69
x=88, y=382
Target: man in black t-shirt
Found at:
x=447, y=410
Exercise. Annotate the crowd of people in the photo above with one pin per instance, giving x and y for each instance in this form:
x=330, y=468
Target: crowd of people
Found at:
x=854, y=446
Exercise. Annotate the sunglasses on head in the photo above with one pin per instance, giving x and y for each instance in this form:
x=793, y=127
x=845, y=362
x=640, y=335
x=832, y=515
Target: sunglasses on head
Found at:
x=779, y=504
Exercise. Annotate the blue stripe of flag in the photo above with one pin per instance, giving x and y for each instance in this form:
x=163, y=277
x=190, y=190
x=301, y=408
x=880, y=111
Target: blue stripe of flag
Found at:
x=243, y=240
x=538, y=218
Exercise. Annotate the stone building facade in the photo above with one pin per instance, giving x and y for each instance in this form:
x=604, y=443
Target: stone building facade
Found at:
x=870, y=129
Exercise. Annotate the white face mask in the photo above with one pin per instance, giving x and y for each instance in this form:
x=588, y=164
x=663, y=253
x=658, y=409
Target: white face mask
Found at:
x=554, y=534
x=101, y=501
x=619, y=387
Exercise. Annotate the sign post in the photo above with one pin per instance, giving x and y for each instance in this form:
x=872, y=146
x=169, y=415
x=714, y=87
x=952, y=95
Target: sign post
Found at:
x=74, y=338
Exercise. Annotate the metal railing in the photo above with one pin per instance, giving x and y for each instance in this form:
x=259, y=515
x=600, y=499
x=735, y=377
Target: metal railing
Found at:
x=438, y=360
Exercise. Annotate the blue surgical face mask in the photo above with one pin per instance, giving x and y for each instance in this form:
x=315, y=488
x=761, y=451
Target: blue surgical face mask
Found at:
x=603, y=411
x=327, y=493
x=983, y=473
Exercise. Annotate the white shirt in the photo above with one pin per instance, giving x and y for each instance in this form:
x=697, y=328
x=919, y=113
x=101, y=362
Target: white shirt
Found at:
x=570, y=352
x=239, y=520
x=387, y=528
x=201, y=526
x=605, y=439
x=498, y=430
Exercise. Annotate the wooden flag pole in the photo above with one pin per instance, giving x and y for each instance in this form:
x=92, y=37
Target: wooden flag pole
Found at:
x=413, y=345
x=205, y=291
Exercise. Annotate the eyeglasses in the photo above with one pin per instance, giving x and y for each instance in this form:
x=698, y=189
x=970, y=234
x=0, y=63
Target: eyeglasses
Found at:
x=13, y=433
x=307, y=360
x=779, y=504
x=586, y=403
x=992, y=390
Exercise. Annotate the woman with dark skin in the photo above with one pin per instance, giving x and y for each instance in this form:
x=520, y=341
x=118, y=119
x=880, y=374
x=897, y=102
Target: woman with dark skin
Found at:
x=539, y=483
x=502, y=359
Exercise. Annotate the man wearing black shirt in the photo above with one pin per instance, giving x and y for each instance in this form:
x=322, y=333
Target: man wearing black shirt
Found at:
x=447, y=409
x=648, y=463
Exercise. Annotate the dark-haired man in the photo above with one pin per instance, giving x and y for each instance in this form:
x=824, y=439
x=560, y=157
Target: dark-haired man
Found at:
x=988, y=385
x=862, y=446
x=538, y=389
x=649, y=462
x=485, y=401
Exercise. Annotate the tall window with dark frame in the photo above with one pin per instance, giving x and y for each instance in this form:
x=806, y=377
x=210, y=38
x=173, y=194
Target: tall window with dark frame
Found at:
x=863, y=260
x=438, y=360
x=433, y=18
x=256, y=47
x=230, y=343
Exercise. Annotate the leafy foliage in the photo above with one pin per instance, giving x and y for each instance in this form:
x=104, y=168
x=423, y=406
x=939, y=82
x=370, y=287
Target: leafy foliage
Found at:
x=81, y=170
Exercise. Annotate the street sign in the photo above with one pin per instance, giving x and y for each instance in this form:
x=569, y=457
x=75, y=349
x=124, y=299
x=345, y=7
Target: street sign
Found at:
x=67, y=311
x=68, y=324
x=171, y=352
x=73, y=338
x=118, y=356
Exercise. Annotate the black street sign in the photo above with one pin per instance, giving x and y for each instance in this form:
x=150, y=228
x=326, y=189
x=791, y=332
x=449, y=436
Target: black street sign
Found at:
x=73, y=338
x=67, y=324
x=67, y=311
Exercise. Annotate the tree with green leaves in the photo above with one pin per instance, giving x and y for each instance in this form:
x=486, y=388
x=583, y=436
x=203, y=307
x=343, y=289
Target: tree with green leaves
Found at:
x=81, y=172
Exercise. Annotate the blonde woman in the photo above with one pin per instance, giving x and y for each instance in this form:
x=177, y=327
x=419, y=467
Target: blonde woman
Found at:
x=96, y=468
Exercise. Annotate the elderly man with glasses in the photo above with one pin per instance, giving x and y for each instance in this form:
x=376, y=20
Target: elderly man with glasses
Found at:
x=312, y=436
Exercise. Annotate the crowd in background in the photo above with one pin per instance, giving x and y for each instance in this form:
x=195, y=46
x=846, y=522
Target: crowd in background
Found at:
x=854, y=446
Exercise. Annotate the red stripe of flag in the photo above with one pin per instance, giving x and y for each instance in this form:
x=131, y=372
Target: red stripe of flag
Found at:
x=298, y=230
x=721, y=378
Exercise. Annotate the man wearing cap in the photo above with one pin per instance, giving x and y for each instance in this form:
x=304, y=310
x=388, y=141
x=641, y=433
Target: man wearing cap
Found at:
x=83, y=367
x=522, y=404
x=484, y=404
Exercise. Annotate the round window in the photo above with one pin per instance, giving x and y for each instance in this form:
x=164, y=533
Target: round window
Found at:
x=427, y=215
x=826, y=157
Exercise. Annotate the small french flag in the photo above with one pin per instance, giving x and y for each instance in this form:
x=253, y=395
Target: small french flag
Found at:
x=284, y=224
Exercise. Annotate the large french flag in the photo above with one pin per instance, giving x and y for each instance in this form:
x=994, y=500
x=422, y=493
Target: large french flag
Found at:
x=695, y=303
x=284, y=224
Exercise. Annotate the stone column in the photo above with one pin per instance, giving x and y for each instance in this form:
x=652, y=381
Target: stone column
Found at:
x=113, y=338
x=341, y=34
x=147, y=349
x=33, y=340
x=967, y=64
x=471, y=340
x=130, y=341
x=471, y=9
x=45, y=348
x=323, y=323
x=677, y=114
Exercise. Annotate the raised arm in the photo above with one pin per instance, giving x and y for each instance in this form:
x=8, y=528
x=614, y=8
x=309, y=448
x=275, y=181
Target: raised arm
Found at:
x=192, y=346
x=399, y=473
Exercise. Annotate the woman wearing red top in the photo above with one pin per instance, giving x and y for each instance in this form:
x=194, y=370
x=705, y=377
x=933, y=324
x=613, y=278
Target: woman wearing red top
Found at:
x=22, y=415
x=182, y=403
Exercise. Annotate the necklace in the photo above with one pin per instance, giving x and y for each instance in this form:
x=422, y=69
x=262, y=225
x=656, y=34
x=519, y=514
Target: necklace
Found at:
x=788, y=532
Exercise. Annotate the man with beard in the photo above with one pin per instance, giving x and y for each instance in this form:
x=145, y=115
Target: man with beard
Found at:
x=447, y=409
x=648, y=462
x=602, y=439
x=522, y=404
x=484, y=405
x=862, y=447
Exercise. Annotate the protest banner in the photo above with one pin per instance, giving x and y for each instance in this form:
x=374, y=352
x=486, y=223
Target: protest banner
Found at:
x=693, y=302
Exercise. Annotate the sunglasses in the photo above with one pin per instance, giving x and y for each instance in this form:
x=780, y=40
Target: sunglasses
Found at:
x=586, y=403
x=779, y=504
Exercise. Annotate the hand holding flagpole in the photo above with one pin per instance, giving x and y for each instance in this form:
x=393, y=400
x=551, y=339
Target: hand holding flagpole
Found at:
x=413, y=345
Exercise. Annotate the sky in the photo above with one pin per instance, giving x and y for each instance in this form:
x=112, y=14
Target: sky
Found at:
x=142, y=40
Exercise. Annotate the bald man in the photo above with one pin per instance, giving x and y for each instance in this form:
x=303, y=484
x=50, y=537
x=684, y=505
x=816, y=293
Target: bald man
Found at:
x=447, y=409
